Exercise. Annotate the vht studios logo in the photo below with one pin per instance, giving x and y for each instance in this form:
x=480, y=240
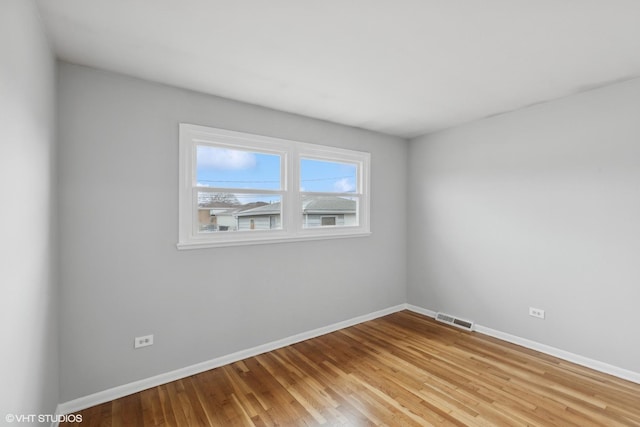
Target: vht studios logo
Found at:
x=43, y=418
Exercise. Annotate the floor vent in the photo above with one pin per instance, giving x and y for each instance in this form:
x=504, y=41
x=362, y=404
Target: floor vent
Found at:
x=454, y=321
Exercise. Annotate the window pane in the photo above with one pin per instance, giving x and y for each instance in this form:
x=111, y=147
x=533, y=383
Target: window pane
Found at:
x=329, y=211
x=327, y=177
x=219, y=212
x=227, y=168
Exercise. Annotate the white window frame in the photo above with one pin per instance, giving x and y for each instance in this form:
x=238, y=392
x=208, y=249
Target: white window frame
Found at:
x=291, y=153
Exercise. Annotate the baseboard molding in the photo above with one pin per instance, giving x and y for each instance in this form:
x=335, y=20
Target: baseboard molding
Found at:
x=420, y=310
x=596, y=365
x=136, y=386
x=57, y=414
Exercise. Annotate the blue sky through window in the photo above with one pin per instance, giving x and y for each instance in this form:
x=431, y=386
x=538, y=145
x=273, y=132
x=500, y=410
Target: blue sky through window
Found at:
x=325, y=176
x=229, y=168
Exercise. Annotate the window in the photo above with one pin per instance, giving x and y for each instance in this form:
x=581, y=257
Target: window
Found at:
x=238, y=188
x=327, y=220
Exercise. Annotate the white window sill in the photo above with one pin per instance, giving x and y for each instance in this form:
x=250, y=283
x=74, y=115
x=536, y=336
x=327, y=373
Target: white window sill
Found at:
x=204, y=244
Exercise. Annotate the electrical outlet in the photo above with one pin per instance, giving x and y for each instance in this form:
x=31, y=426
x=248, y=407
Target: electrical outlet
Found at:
x=143, y=341
x=536, y=312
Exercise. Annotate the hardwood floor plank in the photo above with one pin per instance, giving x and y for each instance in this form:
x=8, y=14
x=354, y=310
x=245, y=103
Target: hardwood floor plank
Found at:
x=400, y=370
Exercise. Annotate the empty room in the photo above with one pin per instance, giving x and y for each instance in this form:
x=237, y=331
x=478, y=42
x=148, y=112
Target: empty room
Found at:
x=298, y=213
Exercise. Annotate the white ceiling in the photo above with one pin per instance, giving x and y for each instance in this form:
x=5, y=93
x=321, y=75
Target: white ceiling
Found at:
x=403, y=67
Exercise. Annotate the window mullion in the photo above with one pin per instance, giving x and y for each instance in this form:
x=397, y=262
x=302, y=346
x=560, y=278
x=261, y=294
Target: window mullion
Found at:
x=293, y=192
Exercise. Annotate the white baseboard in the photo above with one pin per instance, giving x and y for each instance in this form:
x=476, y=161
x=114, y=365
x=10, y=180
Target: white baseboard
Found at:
x=136, y=386
x=57, y=414
x=420, y=310
x=596, y=365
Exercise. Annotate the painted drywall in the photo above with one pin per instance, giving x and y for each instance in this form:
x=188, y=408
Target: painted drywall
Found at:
x=122, y=275
x=535, y=208
x=28, y=275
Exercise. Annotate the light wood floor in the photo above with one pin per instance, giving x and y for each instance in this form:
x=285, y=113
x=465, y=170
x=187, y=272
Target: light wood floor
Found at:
x=400, y=370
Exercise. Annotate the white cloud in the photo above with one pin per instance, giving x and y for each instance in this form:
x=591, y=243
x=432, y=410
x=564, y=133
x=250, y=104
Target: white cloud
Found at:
x=344, y=185
x=223, y=158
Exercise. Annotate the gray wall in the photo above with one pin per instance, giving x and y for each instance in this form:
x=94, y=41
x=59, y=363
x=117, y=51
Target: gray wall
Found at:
x=28, y=284
x=122, y=275
x=539, y=207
